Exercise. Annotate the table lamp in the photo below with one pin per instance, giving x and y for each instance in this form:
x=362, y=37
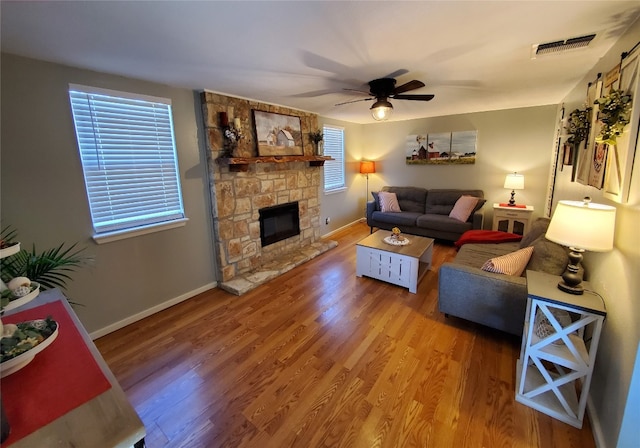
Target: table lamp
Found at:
x=367, y=167
x=514, y=182
x=581, y=226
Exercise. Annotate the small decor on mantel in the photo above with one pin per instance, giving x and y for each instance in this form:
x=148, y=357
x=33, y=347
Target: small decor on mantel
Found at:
x=232, y=133
x=317, y=137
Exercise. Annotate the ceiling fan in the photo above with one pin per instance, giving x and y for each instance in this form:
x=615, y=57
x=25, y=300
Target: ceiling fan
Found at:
x=383, y=89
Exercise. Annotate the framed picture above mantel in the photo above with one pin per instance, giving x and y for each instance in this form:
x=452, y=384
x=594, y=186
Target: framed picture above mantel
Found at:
x=277, y=134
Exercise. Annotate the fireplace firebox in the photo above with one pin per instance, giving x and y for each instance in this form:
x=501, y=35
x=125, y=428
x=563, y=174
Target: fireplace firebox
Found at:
x=279, y=222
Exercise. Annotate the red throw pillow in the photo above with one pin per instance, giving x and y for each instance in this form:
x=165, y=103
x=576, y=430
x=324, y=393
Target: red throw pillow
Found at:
x=486, y=236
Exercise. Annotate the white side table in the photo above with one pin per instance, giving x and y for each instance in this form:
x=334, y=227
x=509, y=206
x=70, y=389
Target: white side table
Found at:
x=512, y=219
x=554, y=371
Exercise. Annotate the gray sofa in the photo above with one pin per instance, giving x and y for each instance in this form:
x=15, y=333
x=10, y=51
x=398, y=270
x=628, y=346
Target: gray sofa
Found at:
x=425, y=212
x=496, y=300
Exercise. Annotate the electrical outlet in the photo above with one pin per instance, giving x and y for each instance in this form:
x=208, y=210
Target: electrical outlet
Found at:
x=327, y=220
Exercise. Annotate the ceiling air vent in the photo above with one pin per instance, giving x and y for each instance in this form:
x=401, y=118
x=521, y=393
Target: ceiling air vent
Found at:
x=562, y=45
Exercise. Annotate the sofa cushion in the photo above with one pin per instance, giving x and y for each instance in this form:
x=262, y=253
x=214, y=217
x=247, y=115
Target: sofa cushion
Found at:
x=441, y=201
x=463, y=208
x=411, y=199
x=479, y=204
x=475, y=255
x=538, y=229
x=376, y=199
x=548, y=257
x=388, y=202
x=442, y=223
x=513, y=263
x=399, y=219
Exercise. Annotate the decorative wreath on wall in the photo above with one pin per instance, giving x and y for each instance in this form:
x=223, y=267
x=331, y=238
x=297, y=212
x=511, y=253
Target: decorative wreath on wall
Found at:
x=578, y=125
x=614, y=115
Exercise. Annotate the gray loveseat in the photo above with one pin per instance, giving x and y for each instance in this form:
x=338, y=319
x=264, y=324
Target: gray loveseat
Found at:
x=425, y=212
x=496, y=300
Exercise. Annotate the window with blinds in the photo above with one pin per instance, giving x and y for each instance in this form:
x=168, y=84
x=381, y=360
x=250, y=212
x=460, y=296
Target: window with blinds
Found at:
x=129, y=159
x=333, y=144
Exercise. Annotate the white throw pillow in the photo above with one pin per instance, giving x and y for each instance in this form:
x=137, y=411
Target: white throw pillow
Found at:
x=510, y=264
x=463, y=208
x=388, y=202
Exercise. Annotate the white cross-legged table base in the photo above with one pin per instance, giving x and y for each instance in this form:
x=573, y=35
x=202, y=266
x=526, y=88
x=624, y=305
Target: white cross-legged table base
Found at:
x=554, y=371
x=400, y=265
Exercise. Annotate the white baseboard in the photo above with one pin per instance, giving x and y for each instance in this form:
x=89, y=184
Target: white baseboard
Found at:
x=148, y=312
x=596, y=425
x=326, y=235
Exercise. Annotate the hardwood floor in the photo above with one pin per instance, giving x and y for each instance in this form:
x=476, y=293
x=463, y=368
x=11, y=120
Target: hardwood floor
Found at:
x=321, y=358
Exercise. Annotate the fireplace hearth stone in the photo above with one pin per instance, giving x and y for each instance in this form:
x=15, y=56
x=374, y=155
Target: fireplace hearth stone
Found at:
x=244, y=283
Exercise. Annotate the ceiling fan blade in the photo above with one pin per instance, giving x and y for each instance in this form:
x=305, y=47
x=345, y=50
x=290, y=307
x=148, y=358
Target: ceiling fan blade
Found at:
x=411, y=85
x=414, y=97
x=354, y=101
x=364, y=92
x=399, y=72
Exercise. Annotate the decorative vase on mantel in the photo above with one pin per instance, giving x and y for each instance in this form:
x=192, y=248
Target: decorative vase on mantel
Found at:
x=318, y=146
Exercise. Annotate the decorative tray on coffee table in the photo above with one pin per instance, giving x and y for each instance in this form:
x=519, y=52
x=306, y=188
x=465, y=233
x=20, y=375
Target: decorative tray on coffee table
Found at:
x=396, y=240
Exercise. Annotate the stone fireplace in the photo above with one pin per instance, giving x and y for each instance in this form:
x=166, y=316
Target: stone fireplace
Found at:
x=238, y=195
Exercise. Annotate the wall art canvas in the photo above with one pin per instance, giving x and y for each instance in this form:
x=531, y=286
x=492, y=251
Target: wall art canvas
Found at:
x=416, y=148
x=277, y=134
x=620, y=157
x=597, y=166
x=445, y=148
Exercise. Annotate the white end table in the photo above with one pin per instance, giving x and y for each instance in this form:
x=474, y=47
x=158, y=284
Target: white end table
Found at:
x=512, y=219
x=554, y=371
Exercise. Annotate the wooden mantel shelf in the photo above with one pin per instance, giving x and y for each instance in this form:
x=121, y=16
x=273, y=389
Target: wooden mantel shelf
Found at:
x=242, y=163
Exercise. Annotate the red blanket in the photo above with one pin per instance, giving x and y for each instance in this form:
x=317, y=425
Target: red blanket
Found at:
x=486, y=236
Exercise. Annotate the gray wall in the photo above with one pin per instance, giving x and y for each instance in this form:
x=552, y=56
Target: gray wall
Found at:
x=43, y=195
x=509, y=140
x=614, y=275
x=347, y=206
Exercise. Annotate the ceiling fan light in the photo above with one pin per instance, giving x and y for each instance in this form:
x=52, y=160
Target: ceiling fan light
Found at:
x=381, y=110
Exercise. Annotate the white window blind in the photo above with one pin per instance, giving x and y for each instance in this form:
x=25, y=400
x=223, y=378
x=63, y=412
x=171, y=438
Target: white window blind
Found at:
x=333, y=139
x=128, y=155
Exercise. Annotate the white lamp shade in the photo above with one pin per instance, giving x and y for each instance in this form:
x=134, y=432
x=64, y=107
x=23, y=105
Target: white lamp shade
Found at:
x=583, y=225
x=514, y=181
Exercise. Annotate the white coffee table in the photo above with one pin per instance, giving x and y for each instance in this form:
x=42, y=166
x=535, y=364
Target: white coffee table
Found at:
x=400, y=265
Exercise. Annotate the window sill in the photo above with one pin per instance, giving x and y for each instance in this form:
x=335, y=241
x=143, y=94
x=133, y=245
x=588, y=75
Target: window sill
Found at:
x=335, y=190
x=109, y=237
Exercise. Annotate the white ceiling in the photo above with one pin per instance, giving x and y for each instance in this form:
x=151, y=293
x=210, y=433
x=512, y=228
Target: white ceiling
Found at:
x=473, y=55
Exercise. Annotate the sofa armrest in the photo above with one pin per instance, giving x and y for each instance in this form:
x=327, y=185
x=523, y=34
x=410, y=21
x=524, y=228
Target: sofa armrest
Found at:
x=371, y=207
x=496, y=300
x=478, y=220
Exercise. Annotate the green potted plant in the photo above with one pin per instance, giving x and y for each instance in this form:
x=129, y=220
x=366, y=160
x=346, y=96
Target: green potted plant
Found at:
x=50, y=268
